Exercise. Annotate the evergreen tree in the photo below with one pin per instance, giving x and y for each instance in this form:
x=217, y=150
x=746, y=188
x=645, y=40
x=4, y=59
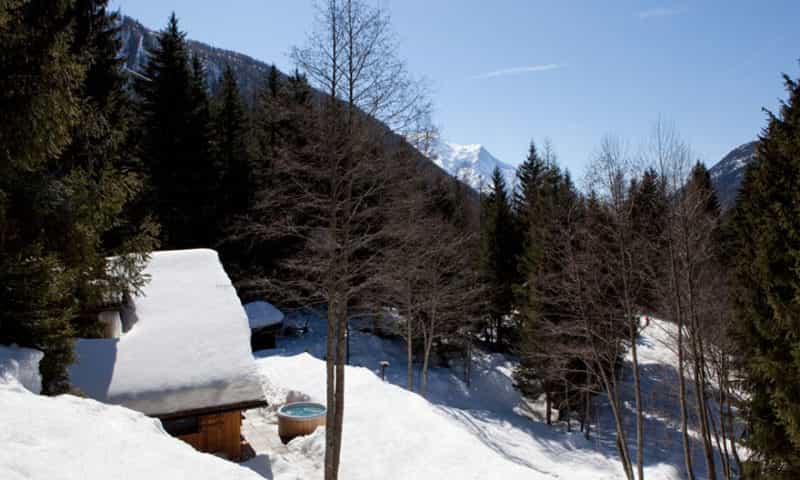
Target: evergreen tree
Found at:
x=530, y=175
x=701, y=181
x=497, y=243
x=175, y=144
x=60, y=186
x=649, y=206
x=767, y=223
x=232, y=155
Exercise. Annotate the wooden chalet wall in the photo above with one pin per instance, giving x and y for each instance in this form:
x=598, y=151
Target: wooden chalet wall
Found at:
x=218, y=433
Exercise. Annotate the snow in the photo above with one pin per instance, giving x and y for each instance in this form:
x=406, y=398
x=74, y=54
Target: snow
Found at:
x=481, y=430
x=189, y=347
x=476, y=431
x=22, y=365
x=68, y=438
x=471, y=163
x=262, y=314
x=484, y=430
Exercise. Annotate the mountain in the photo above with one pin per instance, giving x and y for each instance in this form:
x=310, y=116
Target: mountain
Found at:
x=472, y=164
x=727, y=174
x=474, y=168
x=138, y=39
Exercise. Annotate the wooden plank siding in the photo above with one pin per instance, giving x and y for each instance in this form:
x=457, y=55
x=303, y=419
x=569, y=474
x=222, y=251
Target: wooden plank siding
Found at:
x=218, y=433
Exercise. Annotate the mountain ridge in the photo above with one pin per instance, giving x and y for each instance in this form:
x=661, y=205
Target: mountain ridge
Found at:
x=728, y=173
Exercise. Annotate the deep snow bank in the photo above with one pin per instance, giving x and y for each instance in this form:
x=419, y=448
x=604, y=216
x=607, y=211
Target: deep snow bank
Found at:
x=390, y=432
x=21, y=364
x=68, y=438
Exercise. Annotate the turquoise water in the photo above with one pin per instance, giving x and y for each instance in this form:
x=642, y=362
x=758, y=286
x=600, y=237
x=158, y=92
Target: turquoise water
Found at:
x=303, y=410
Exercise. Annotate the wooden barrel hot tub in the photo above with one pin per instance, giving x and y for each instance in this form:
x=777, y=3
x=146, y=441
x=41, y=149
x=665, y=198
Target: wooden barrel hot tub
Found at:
x=300, y=418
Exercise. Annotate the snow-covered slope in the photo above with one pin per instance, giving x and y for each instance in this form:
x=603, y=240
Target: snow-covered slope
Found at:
x=476, y=431
x=727, y=174
x=69, y=438
x=472, y=164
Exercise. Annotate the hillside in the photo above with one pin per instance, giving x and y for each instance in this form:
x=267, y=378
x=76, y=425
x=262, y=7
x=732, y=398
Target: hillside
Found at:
x=728, y=173
x=138, y=39
x=390, y=432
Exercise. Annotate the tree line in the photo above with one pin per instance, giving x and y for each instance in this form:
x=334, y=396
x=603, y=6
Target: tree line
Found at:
x=573, y=275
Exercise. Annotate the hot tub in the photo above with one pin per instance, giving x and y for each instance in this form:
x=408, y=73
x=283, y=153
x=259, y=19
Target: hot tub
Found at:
x=300, y=418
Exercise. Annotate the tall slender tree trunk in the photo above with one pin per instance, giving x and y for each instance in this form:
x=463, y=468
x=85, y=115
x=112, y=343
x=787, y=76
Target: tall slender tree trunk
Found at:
x=637, y=391
x=330, y=369
x=587, y=414
x=697, y=360
x=622, y=441
x=425, y=362
x=678, y=311
x=727, y=464
x=410, y=355
x=341, y=353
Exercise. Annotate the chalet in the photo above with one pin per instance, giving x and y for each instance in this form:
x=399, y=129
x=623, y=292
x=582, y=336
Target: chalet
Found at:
x=266, y=322
x=180, y=352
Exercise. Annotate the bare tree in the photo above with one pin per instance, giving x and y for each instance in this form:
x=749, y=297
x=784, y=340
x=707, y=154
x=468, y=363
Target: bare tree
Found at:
x=627, y=256
x=450, y=291
x=581, y=321
x=430, y=272
x=404, y=260
x=327, y=192
x=671, y=156
x=693, y=285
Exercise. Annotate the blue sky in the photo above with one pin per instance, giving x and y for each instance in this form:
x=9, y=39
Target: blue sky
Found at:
x=505, y=71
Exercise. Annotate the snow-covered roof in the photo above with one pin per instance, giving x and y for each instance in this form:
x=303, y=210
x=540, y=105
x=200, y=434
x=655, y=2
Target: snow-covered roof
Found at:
x=262, y=314
x=189, y=348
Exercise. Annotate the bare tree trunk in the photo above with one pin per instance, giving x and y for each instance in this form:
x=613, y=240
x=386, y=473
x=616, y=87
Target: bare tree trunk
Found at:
x=331, y=472
x=684, y=409
x=425, y=361
x=726, y=457
x=622, y=442
x=468, y=364
x=670, y=155
x=697, y=356
x=410, y=354
x=341, y=352
x=637, y=391
x=587, y=415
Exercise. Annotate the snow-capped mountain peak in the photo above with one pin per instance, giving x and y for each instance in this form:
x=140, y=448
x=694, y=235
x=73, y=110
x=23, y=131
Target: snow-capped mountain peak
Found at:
x=470, y=163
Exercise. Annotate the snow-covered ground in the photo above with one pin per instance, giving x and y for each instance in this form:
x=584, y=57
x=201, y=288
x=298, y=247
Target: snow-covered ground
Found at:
x=68, y=437
x=477, y=431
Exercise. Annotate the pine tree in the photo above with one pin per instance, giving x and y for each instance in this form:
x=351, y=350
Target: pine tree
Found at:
x=232, y=155
x=175, y=145
x=767, y=222
x=60, y=187
x=530, y=175
x=497, y=240
x=649, y=205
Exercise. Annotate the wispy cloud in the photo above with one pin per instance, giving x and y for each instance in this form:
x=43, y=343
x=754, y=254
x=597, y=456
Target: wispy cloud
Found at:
x=660, y=12
x=518, y=70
